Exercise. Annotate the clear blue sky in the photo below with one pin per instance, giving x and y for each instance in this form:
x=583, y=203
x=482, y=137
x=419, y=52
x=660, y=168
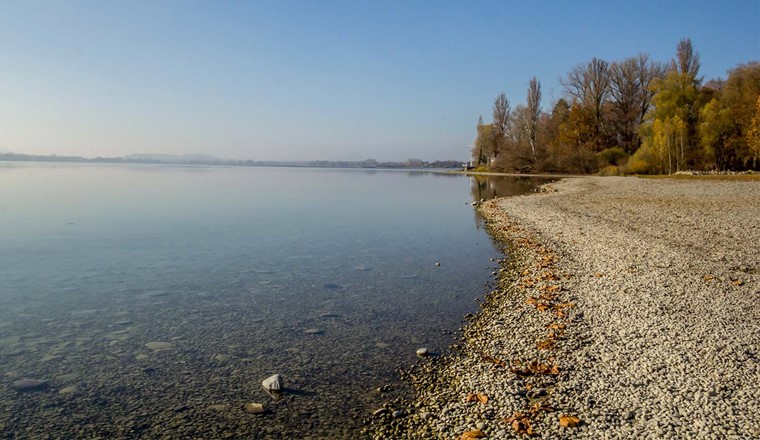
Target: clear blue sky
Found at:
x=304, y=80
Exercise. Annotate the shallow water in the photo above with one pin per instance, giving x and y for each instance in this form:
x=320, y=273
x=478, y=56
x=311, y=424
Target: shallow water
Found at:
x=327, y=277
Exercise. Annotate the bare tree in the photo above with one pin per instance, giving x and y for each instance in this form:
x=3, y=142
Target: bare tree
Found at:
x=648, y=72
x=534, y=112
x=501, y=111
x=631, y=95
x=501, y=121
x=590, y=86
x=686, y=61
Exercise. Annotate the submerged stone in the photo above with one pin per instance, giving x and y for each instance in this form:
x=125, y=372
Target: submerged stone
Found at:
x=159, y=346
x=29, y=385
x=254, y=408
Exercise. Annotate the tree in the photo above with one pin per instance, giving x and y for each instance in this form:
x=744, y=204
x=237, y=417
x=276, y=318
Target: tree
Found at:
x=631, y=95
x=501, y=123
x=589, y=86
x=753, y=136
x=485, y=143
x=533, y=113
x=675, y=105
x=687, y=60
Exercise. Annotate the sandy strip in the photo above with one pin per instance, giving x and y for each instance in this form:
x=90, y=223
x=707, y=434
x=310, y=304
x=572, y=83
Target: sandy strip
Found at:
x=630, y=304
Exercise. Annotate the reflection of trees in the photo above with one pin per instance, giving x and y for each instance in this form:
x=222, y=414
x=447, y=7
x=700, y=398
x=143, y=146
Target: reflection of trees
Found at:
x=490, y=187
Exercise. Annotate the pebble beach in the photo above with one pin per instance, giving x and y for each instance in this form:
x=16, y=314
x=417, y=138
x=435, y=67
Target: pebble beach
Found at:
x=625, y=308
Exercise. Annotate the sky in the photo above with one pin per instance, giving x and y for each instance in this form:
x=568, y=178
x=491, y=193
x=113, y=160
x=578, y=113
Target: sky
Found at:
x=307, y=80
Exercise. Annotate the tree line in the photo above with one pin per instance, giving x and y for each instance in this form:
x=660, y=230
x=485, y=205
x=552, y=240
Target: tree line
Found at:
x=631, y=116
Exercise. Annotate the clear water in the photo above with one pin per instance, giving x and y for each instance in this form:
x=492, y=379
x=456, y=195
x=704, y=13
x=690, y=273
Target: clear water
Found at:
x=327, y=277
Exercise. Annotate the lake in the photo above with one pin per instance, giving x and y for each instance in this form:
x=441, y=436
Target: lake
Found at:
x=153, y=300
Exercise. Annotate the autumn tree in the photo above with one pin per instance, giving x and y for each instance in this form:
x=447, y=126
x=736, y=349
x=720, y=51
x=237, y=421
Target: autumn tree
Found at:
x=753, y=136
x=675, y=111
x=485, y=143
x=589, y=87
x=726, y=121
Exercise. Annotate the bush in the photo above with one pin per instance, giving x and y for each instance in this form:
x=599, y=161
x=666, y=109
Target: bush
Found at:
x=610, y=170
x=611, y=156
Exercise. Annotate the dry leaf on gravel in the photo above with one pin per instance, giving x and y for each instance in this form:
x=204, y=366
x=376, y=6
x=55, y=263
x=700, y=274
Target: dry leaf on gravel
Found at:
x=539, y=407
x=477, y=397
x=493, y=360
x=598, y=275
x=556, y=326
x=569, y=421
x=546, y=344
x=475, y=433
x=708, y=277
x=536, y=367
x=520, y=423
x=737, y=283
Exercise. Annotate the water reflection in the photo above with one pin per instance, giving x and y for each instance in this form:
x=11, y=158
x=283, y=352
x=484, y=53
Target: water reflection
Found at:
x=491, y=187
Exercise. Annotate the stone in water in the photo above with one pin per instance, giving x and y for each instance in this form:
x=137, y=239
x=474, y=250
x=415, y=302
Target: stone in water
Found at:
x=28, y=385
x=254, y=408
x=273, y=383
x=422, y=351
x=159, y=346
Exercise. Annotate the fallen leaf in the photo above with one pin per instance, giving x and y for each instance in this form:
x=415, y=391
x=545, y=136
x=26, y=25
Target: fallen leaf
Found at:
x=708, y=277
x=539, y=407
x=520, y=423
x=475, y=433
x=493, y=360
x=569, y=421
x=546, y=344
x=547, y=296
x=556, y=326
x=541, y=307
x=477, y=397
x=564, y=305
x=737, y=283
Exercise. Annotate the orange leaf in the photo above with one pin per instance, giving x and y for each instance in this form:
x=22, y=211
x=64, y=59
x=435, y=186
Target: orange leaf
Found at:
x=475, y=433
x=542, y=307
x=477, y=397
x=738, y=283
x=492, y=359
x=545, y=344
x=709, y=277
x=556, y=326
x=569, y=421
x=598, y=275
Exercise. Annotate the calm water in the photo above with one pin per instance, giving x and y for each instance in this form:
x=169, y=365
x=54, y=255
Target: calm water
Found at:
x=327, y=277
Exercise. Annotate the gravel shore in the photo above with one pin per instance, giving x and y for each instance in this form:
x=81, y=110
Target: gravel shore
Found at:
x=628, y=306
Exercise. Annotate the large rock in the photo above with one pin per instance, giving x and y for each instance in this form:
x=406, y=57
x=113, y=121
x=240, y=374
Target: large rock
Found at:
x=273, y=384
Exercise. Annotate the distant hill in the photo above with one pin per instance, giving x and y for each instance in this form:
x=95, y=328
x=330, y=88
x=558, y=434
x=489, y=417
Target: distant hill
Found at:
x=173, y=158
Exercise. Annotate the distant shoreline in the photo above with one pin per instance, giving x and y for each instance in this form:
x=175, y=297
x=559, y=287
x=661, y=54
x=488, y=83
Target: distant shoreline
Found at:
x=164, y=159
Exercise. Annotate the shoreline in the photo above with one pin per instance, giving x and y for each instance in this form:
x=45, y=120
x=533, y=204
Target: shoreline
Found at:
x=657, y=333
